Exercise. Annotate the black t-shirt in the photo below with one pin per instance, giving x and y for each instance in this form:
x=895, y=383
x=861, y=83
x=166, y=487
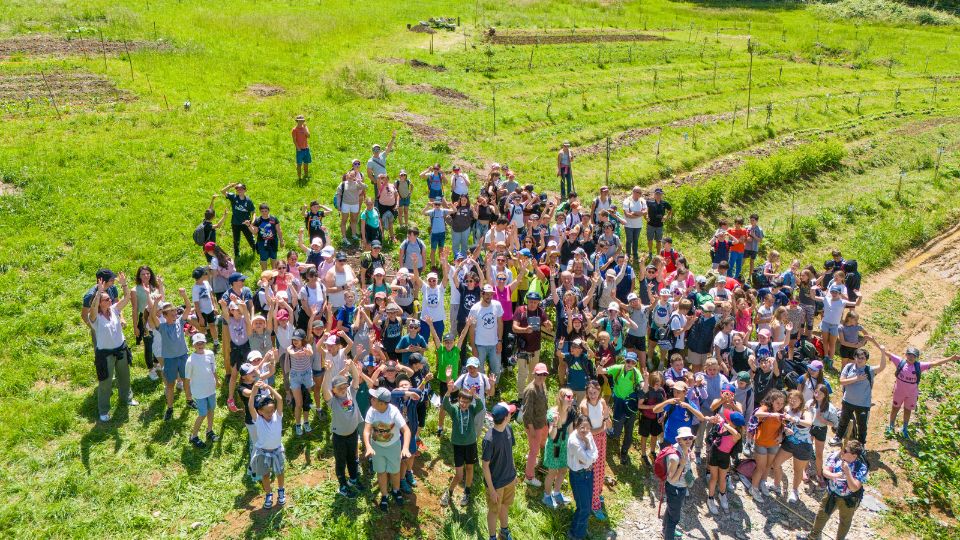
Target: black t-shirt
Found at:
x=486, y=214
x=369, y=263
x=656, y=211
x=654, y=396
x=88, y=297
x=267, y=230
x=314, y=223
x=242, y=209
x=461, y=219
x=209, y=233
x=531, y=341
x=763, y=382
x=467, y=299
x=498, y=451
x=739, y=359
x=644, y=293
x=392, y=332
x=243, y=399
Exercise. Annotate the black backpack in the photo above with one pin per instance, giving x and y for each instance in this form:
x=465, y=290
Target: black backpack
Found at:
x=200, y=235
x=760, y=280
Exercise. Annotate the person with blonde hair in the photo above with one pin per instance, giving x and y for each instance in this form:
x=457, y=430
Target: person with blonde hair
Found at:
x=797, y=443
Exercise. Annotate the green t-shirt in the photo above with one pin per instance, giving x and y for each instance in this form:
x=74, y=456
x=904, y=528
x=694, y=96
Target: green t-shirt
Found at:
x=702, y=298
x=623, y=382
x=371, y=217
x=464, y=428
x=448, y=358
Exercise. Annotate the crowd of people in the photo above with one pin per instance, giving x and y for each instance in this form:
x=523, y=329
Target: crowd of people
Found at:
x=544, y=317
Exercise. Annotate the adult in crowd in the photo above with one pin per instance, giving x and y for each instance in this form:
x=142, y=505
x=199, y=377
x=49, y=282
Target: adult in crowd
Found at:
x=634, y=211
x=846, y=472
x=658, y=212
x=377, y=164
x=241, y=211
x=565, y=169
x=301, y=143
x=112, y=358
x=499, y=471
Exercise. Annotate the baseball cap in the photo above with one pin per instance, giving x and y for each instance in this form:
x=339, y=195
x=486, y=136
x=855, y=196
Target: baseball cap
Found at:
x=684, y=432
x=577, y=343
x=432, y=275
x=209, y=246
x=413, y=323
x=331, y=340
x=341, y=256
x=632, y=296
x=254, y=355
x=283, y=315
x=300, y=118
x=380, y=394
x=816, y=365
x=541, y=369
x=299, y=334
x=166, y=306
x=680, y=385
x=198, y=338
x=199, y=272
x=474, y=362
x=613, y=307
x=737, y=419
x=743, y=376
x=836, y=288
x=534, y=295
x=258, y=317
x=525, y=252
x=729, y=388
x=488, y=288
x=105, y=274
x=416, y=358
x=664, y=292
x=501, y=410
x=327, y=251
x=702, y=280
x=380, y=272
x=630, y=357
x=460, y=255
x=708, y=307
x=375, y=244
x=913, y=351
x=448, y=337
x=339, y=380
x=235, y=277
x=316, y=242
x=765, y=333
x=393, y=307
x=318, y=323
x=658, y=190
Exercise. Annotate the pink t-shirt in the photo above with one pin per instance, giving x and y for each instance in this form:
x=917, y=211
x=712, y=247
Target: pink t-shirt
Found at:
x=727, y=441
x=503, y=296
x=906, y=383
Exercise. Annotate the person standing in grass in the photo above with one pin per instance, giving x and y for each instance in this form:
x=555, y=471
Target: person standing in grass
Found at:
x=595, y=409
x=112, y=357
x=301, y=142
x=679, y=479
x=146, y=285
x=534, y=399
x=269, y=236
x=752, y=242
x=437, y=212
x=351, y=190
x=386, y=437
x=625, y=379
x=241, y=210
x=200, y=377
x=583, y=456
x=906, y=387
x=387, y=201
x=209, y=231
x=268, y=454
x=339, y=392
x=499, y=471
x=377, y=164
x=448, y=362
x=658, y=211
x=371, y=224
x=846, y=471
x=463, y=437
x=737, y=248
x=634, y=210
x=173, y=348
x=435, y=180
x=565, y=170
x=560, y=421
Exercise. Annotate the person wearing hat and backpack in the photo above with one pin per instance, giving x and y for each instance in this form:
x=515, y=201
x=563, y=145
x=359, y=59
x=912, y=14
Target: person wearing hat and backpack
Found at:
x=625, y=379
x=906, y=387
x=200, y=375
x=386, y=437
x=857, y=380
x=675, y=466
x=339, y=392
x=846, y=472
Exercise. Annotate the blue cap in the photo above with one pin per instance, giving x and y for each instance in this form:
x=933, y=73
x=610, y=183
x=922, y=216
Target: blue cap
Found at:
x=630, y=356
x=737, y=419
x=501, y=410
x=236, y=276
x=370, y=361
x=836, y=288
x=727, y=387
x=460, y=255
x=526, y=252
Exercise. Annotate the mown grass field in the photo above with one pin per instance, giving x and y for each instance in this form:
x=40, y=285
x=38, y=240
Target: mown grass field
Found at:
x=90, y=183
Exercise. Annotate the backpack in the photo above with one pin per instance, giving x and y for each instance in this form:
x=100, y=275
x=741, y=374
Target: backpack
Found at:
x=199, y=235
x=258, y=306
x=338, y=196
x=660, y=470
x=715, y=435
x=903, y=364
x=760, y=280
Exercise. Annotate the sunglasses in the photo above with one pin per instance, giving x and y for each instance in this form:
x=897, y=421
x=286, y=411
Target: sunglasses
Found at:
x=568, y=397
x=501, y=279
x=541, y=374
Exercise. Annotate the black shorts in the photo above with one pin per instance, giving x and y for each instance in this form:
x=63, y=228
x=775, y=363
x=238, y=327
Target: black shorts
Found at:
x=719, y=459
x=847, y=352
x=635, y=342
x=819, y=433
x=749, y=254
x=649, y=427
x=238, y=354
x=464, y=454
x=801, y=451
x=209, y=318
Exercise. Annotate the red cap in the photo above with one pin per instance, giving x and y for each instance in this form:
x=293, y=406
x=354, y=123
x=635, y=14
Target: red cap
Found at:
x=209, y=246
x=282, y=315
x=545, y=270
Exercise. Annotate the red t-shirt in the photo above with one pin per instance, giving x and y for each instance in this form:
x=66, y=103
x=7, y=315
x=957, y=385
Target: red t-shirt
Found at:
x=300, y=136
x=671, y=259
x=741, y=235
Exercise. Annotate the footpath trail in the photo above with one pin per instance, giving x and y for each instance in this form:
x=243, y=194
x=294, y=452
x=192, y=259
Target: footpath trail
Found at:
x=928, y=279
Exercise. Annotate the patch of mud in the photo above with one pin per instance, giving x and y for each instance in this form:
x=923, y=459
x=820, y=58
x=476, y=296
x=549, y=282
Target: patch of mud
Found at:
x=557, y=39
x=730, y=162
x=446, y=95
x=47, y=45
x=264, y=90
x=71, y=88
x=413, y=62
x=922, y=126
x=420, y=127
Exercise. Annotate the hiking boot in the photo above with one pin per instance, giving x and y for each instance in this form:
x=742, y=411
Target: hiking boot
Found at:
x=384, y=504
x=410, y=479
x=298, y=429
x=600, y=514
x=153, y=374
x=167, y=416
x=624, y=460
x=889, y=432
x=905, y=433
x=356, y=484
x=765, y=489
x=268, y=501
x=445, y=499
x=405, y=486
x=835, y=441
x=439, y=432
x=723, y=502
x=712, y=506
x=465, y=498
x=306, y=427
x=281, y=496
x=197, y=443
x=398, y=498
x=212, y=437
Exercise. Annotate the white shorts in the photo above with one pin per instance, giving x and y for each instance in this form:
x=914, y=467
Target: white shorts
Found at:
x=350, y=208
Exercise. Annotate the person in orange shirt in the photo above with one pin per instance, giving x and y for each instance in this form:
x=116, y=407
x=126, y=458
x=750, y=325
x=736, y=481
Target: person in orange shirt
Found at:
x=736, y=249
x=301, y=140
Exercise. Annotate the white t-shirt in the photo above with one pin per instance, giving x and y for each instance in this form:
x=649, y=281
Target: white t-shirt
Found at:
x=269, y=432
x=677, y=322
x=432, y=302
x=201, y=369
x=284, y=335
x=460, y=186
x=833, y=310
x=630, y=205
x=493, y=236
x=487, y=319
x=478, y=385
x=721, y=341
x=386, y=425
x=202, y=296
x=314, y=296
x=109, y=332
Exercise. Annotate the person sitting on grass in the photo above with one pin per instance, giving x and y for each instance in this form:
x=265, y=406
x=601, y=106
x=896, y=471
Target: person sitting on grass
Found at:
x=200, y=377
x=268, y=455
x=463, y=437
x=386, y=437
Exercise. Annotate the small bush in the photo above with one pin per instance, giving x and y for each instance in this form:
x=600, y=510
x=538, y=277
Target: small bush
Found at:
x=885, y=11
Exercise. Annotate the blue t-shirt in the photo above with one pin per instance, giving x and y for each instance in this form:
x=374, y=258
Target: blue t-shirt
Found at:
x=576, y=372
x=435, y=182
x=677, y=417
x=345, y=315
x=172, y=341
x=407, y=341
x=266, y=230
x=437, y=223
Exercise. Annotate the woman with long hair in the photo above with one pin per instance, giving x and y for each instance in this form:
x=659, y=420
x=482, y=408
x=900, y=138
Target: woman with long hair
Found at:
x=146, y=284
x=796, y=444
x=596, y=410
x=560, y=421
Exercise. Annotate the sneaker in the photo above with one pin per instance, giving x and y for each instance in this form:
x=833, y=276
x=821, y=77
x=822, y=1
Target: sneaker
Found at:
x=298, y=429
x=889, y=432
x=281, y=496
x=793, y=497
x=232, y=405
x=132, y=402
x=465, y=499
x=548, y=501
x=445, y=499
x=196, y=442
x=167, y=416
x=192, y=404
x=104, y=417
x=533, y=482
x=505, y=534
x=410, y=479
x=755, y=493
x=306, y=427
x=405, y=486
x=723, y=502
x=384, y=505
x=439, y=432
x=646, y=461
x=905, y=433
x=712, y=506
x=560, y=499
x=624, y=460
x=398, y=498
x=699, y=458
x=345, y=491
x=212, y=437
x=778, y=490
x=216, y=347
x=678, y=533
x=599, y=514
x=731, y=485
x=268, y=501
x=356, y=484
x=765, y=489
x=153, y=374
x=835, y=441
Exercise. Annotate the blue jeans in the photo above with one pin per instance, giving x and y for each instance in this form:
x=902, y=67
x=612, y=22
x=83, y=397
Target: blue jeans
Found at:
x=736, y=264
x=633, y=241
x=675, y=496
x=581, y=482
x=566, y=181
x=489, y=353
x=479, y=231
x=461, y=242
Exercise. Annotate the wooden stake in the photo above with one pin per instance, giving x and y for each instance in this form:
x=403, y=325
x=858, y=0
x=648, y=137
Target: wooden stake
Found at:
x=494, y=111
x=103, y=49
x=129, y=59
x=607, y=176
x=749, y=80
x=50, y=92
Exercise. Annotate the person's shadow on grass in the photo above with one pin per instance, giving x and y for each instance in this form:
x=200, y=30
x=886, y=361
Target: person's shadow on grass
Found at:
x=101, y=431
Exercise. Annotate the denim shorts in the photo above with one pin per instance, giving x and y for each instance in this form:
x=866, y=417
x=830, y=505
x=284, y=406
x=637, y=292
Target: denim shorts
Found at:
x=174, y=367
x=833, y=329
x=766, y=450
x=301, y=378
x=206, y=404
x=404, y=201
x=437, y=240
x=267, y=253
x=303, y=156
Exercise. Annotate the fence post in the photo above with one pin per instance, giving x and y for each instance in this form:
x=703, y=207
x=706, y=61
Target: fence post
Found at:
x=749, y=80
x=936, y=168
x=494, y=111
x=607, y=176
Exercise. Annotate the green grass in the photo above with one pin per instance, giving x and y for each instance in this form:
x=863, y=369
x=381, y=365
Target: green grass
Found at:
x=889, y=307
x=122, y=185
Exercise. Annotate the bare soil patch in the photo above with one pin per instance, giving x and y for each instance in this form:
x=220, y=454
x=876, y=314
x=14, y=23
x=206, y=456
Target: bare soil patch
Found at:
x=47, y=45
x=420, y=127
x=9, y=189
x=265, y=90
x=730, y=162
x=556, y=39
x=67, y=88
x=446, y=95
x=413, y=62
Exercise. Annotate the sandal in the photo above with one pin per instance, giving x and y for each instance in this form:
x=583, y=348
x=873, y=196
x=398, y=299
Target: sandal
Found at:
x=268, y=501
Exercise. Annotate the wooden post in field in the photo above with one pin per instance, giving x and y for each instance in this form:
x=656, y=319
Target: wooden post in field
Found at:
x=702, y=47
x=796, y=112
x=936, y=168
x=103, y=49
x=819, y=63
x=680, y=79
x=494, y=111
x=549, y=105
x=655, y=75
x=607, y=176
x=859, y=97
x=690, y=33
x=530, y=62
x=903, y=172
x=50, y=92
x=896, y=98
x=167, y=103
x=659, y=138
x=154, y=30
x=431, y=43
x=749, y=80
x=733, y=120
x=464, y=38
x=936, y=81
x=83, y=47
x=714, y=74
x=618, y=89
x=769, y=112
x=630, y=54
x=129, y=59
x=926, y=64
x=780, y=77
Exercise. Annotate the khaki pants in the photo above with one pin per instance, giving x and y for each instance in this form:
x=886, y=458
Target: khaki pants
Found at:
x=505, y=497
x=525, y=363
x=117, y=367
x=846, y=518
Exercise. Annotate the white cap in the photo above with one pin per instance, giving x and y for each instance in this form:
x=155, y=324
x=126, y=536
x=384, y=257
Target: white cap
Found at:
x=613, y=307
x=379, y=271
x=327, y=251
x=254, y=355
x=198, y=338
